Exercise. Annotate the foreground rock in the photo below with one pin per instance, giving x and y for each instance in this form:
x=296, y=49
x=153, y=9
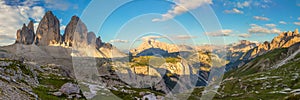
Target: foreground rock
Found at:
x=69, y=88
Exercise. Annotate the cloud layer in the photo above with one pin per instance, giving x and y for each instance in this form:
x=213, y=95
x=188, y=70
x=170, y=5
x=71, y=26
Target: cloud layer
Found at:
x=184, y=37
x=261, y=18
x=245, y=35
x=118, y=41
x=182, y=7
x=13, y=16
x=234, y=10
x=225, y=32
x=260, y=29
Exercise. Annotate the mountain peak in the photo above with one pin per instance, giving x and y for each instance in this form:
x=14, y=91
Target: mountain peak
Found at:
x=48, y=32
x=296, y=31
x=30, y=25
x=49, y=13
x=75, y=18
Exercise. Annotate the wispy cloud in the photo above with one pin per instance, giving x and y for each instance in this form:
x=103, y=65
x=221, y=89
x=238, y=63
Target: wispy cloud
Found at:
x=282, y=22
x=244, y=35
x=118, y=41
x=297, y=23
x=182, y=7
x=244, y=4
x=184, y=37
x=261, y=18
x=151, y=37
x=259, y=29
x=271, y=25
x=234, y=10
x=225, y=32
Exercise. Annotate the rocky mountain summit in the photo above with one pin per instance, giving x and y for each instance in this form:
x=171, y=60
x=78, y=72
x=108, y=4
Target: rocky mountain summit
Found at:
x=48, y=32
x=26, y=34
x=237, y=50
x=283, y=40
x=160, y=47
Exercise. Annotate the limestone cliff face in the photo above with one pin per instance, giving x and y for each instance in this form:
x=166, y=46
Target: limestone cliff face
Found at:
x=237, y=50
x=75, y=32
x=99, y=42
x=283, y=40
x=147, y=44
x=48, y=32
x=91, y=38
x=26, y=34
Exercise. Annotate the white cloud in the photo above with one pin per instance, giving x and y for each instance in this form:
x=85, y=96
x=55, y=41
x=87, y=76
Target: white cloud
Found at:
x=298, y=4
x=184, y=37
x=118, y=41
x=242, y=5
x=282, y=22
x=245, y=35
x=58, y=4
x=13, y=16
x=261, y=18
x=225, y=32
x=62, y=27
x=298, y=18
x=234, y=10
x=297, y=23
x=146, y=38
x=259, y=29
x=182, y=7
x=271, y=25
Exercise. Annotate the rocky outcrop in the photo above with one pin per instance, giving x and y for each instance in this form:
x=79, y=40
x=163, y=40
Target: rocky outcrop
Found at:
x=99, y=42
x=75, y=32
x=147, y=44
x=48, y=32
x=237, y=50
x=91, y=38
x=26, y=34
x=284, y=40
x=69, y=88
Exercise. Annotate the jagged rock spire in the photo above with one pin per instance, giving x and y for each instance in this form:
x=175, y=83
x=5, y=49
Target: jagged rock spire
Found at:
x=26, y=34
x=48, y=32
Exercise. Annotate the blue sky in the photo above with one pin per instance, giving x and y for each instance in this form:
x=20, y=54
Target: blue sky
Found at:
x=254, y=20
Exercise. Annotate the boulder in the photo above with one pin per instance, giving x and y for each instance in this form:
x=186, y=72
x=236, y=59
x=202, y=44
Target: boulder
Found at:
x=69, y=88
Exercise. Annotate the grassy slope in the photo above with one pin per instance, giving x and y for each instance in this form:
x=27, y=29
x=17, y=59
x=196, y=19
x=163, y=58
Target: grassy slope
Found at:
x=254, y=66
x=252, y=85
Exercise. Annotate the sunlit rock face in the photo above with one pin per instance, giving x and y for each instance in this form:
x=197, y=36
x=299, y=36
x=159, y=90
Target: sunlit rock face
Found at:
x=237, y=50
x=283, y=40
x=75, y=32
x=147, y=44
x=26, y=34
x=48, y=32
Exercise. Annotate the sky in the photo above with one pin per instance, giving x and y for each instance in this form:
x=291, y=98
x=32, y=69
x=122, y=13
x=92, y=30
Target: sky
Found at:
x=126, y=23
